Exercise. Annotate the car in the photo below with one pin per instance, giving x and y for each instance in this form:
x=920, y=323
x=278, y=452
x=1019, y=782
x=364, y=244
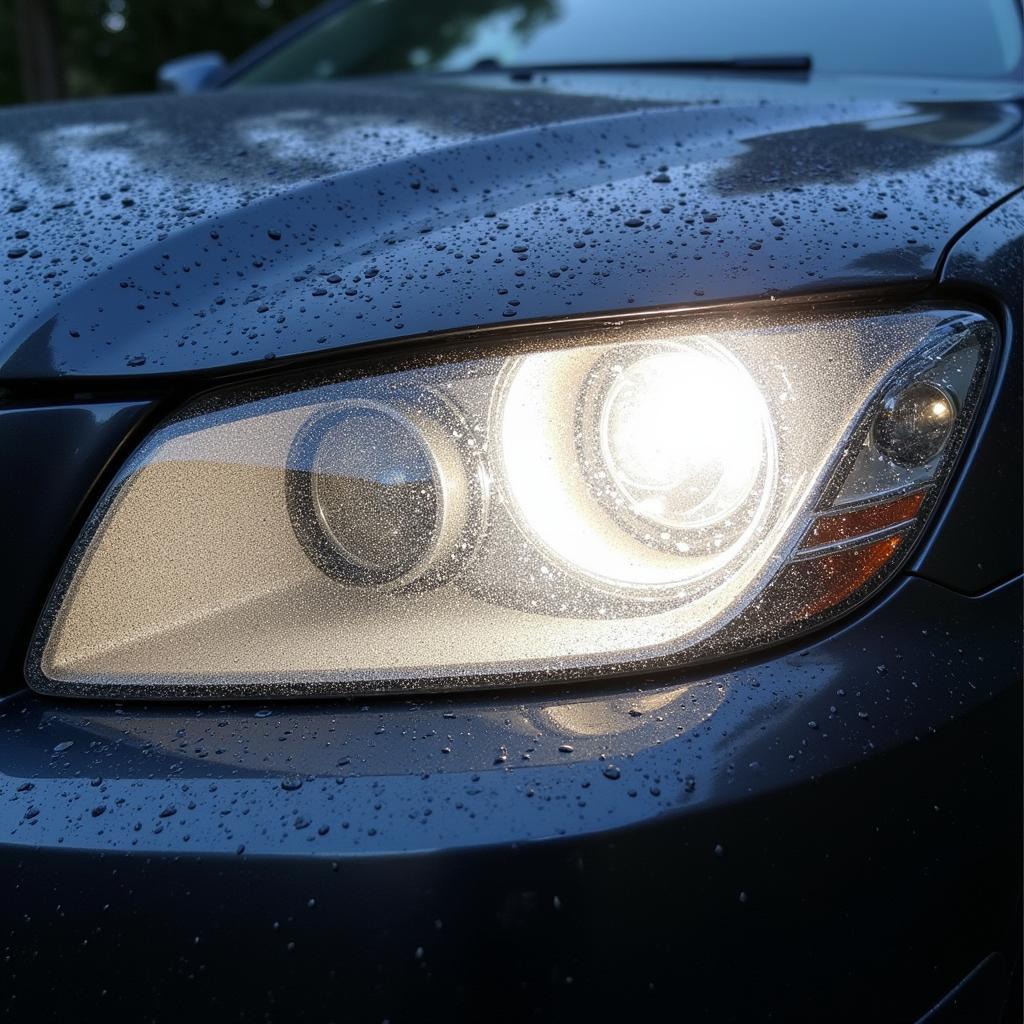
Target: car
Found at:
x=512, y=511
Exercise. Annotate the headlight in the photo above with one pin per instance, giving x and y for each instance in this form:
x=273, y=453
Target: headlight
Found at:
x=620, y=497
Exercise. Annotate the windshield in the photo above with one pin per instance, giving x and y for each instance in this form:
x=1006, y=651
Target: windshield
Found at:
x=933, y=38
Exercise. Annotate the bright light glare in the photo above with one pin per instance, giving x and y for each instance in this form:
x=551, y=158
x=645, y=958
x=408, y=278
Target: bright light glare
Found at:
x=683, y=435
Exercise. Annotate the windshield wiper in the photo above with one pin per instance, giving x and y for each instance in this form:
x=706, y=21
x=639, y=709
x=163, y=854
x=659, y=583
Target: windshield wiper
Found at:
x=788, y=64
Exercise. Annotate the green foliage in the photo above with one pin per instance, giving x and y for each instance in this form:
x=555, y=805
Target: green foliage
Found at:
x=115, y=46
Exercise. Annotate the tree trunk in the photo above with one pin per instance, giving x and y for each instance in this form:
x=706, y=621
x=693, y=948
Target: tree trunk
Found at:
x=41, y=73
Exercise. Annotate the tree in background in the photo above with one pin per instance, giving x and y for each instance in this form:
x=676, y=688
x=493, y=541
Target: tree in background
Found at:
x=42, y=77
x=50, y=49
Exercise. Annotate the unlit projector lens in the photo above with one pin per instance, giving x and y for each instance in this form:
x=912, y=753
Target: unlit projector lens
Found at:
x=914, y=424
x=374, y=491
x=379, y=494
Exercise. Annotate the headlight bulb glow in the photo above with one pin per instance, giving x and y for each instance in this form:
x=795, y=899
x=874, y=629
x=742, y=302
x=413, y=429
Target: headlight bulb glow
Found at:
x=653, y=471
x=683, y=433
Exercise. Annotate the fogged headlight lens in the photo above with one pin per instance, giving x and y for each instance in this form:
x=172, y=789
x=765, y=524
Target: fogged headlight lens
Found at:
x=618, y=497
x=381, y=493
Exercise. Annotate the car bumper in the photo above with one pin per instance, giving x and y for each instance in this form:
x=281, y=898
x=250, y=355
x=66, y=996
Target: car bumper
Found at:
x=832, y=834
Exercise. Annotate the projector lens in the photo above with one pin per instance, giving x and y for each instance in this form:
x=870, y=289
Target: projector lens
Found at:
x=375, y=492
x=682, y=433
x=913, y=425
x=379, y=493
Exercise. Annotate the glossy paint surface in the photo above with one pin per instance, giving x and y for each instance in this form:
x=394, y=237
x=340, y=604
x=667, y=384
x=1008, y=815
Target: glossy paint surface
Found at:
x=830, y=833
x=683, y=845
x=178, y=234
x=980, y=544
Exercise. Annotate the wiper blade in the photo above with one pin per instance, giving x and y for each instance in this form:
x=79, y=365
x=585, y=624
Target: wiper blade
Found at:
x=786, y=64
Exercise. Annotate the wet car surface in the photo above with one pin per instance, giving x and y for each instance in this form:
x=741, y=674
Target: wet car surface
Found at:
x=828, y=829
x=470, y=208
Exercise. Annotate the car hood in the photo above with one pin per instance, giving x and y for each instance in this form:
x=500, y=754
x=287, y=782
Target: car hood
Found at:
x=166, y=235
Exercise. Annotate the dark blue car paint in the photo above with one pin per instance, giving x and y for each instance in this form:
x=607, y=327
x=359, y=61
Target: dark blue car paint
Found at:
x=980, y=540
x=190, y=234
x=825, y=836
x=829, y=833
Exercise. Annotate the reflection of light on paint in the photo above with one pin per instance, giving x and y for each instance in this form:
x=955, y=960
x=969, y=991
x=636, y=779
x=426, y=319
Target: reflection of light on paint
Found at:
x=302, y=135
x=692, y=703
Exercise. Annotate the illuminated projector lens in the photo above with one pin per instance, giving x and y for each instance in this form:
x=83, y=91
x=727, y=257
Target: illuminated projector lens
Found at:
x=683, y=435
x=677, y=442
x=379, y=494
x=913, y=425
x=644, y=467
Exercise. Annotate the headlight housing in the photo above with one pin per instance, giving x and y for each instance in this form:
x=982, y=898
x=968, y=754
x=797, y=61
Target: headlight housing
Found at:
x=621, y=496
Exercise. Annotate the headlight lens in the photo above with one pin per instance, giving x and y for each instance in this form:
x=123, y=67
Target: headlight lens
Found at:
x=641, y=467
x=684, y=435
x=619, y=498
x=380, y=493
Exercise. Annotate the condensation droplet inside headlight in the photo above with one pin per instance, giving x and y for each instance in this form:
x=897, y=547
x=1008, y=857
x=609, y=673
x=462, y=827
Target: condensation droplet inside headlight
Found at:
x=619, y=497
